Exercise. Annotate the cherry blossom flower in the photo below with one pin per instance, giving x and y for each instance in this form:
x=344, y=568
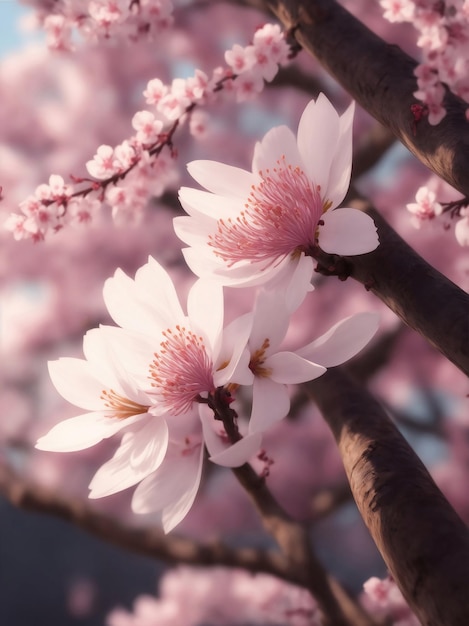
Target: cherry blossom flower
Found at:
x=461, y=228
x=181, y=359
x=164, y=453
x=274, y=368
x=425, y=208
x=249, y=227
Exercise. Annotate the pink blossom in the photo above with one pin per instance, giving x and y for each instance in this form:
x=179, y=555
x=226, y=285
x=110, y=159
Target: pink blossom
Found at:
x=240, y=59
x=241, y=230
x=155, y=90
x=425, y=208
x=461, y=228
x=148, y=128
x=102, y=165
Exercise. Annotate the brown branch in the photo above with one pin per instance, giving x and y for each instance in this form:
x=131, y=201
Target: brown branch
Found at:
x=294, y=540
x=292, y=537
x=423, y=298
x=151, y=542
x=380, y=77
x=422, y=540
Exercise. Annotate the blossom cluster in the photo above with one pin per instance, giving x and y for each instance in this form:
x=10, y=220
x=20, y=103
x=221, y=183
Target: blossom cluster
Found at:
x=126, y=176
x=168, y=378
x=187, y=598
x=426, y=208
x=98, y=20
x=443, y=29
x=383, y=599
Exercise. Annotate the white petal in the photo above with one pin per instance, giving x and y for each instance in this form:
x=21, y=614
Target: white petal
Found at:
x=278, y=142
x=318, y=134
x=205, y=264
x=343, y=340
x=233, y=355
x=74, y=379
x=154, y=285
x=194, y=231
x=300, y=282
x=222, y=452
x=347, y=232
x=177, y=510
x=148, y=303
x=205, y=310
x=171, y=489
x=240, y=452
x=289, y=368
x=197, y=202
x=271, y=320
x=83, y=431
x=140, y=453
x=341, y=166
x=221, y=179
x=270, y=403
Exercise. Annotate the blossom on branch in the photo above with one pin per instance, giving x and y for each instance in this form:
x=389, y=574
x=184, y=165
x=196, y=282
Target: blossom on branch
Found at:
x=249, y=228
x=147, y=379
x=274, y=368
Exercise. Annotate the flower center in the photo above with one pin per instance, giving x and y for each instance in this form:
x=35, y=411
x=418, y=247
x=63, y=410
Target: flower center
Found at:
x=281, y=216
x=181, y=370
x=256, y=364
x=121, y=407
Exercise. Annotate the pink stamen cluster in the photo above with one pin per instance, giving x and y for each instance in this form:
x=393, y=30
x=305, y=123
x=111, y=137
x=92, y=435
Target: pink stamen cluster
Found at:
x=444, y=38
x=121, y=20
x=181, y=370
x=128, y=175
x=282, y=214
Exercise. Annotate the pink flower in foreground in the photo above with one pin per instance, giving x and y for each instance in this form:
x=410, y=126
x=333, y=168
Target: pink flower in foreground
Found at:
x=249, y=227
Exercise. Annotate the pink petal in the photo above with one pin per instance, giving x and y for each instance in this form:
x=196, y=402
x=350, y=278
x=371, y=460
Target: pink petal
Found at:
x=221, y=179
x=289, y=368
x=270, y=403
x=347, y=232
x=140, y=453
x=343, y=340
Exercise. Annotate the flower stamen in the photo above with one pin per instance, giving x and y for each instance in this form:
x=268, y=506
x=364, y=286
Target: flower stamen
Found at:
x=181, y=370
x=120, y=406
x=256, y=364
x=280, y=217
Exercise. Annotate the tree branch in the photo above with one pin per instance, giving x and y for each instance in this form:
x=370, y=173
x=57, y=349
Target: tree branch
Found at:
x=150, y=542
x=422, y=540
x=423, y=298
x=380, y=76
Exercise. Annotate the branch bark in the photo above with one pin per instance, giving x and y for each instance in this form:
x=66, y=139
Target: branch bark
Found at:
x=380, y=77
x=422, y=540
x=423, y=298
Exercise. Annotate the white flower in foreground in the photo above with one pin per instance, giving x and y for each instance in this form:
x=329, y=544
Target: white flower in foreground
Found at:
x=274, y=368
x=249, y=227
x=177, y=358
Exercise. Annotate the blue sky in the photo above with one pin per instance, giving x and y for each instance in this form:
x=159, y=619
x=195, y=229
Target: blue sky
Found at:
x=10, y=35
